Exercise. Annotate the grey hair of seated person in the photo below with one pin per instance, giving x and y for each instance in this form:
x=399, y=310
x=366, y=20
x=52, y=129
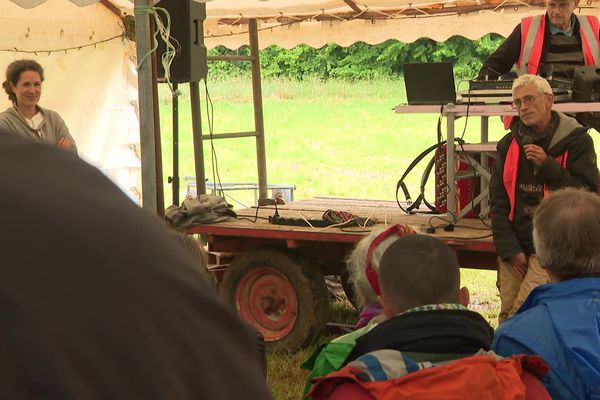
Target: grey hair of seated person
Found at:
x=541, y=84
x=418, y=270
x=356, y=263
x=566, y=233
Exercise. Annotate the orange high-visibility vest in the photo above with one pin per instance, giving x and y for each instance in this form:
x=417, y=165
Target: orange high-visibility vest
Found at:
x=532, y=42
x=511, y=170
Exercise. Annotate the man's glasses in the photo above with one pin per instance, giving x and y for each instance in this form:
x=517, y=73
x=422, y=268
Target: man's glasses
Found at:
x=527, y=100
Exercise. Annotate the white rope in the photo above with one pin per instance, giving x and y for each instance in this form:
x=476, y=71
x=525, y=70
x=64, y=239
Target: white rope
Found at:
x=162, y=31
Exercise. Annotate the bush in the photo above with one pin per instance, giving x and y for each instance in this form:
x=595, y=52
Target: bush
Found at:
x=359, y=61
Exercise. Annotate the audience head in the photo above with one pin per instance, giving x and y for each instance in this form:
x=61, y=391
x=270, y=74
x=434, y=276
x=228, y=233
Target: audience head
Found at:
x=540, y=84
x=363, y=261
x=418, y=270
x=13, y=75
x=97, y=298
x=560, y=12
x=533, y=98
x=566, y=234
x=196, y=250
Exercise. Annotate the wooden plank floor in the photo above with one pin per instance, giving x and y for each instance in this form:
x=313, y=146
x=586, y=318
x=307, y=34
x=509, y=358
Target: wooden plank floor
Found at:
x=386, y=213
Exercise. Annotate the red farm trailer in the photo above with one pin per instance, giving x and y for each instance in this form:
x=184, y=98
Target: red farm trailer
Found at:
x=275, y=277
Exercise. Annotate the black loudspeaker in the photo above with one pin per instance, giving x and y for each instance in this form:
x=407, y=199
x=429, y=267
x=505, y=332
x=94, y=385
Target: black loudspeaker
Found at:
x=187, y=28
x=586, y=83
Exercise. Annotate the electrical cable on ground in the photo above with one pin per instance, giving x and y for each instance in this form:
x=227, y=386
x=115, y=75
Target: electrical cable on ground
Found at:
x=256, y=217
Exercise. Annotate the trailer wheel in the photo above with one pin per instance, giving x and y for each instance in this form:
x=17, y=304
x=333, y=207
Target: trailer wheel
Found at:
x=281, y=295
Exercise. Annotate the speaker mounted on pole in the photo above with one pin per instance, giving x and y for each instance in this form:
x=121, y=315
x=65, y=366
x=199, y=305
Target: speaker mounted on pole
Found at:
x=187, y=28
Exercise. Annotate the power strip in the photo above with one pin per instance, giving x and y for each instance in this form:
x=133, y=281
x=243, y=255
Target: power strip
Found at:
x=319, y=223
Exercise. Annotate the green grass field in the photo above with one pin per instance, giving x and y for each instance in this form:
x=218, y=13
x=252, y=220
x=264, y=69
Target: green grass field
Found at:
x=329, y=139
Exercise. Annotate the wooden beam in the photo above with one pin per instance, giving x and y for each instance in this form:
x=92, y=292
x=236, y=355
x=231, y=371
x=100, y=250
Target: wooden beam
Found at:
x=353, y=6
x=115, y=10
x=458, y=7
x=259, y=125
x=146, y=108
x=127, y=20
x=390, y=13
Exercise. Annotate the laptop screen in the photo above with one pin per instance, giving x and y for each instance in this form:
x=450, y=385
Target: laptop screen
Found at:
x=429, y=83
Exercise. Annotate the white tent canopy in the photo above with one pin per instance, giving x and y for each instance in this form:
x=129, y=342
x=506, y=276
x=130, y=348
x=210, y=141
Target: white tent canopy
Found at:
x=318, y=22
x=289, y=23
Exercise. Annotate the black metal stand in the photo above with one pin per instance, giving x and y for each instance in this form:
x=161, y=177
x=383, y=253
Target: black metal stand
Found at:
x=174, y=180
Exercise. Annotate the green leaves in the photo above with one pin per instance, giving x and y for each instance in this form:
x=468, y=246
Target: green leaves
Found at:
x=360, y=61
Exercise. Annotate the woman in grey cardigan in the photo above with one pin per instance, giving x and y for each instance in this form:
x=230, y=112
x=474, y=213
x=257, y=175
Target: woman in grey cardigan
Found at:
x=26, y=118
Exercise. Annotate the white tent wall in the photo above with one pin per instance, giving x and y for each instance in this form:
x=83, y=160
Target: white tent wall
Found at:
x=93, y=88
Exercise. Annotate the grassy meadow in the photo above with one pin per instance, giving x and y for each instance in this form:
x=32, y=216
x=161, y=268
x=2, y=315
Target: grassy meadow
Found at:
x=328, y=139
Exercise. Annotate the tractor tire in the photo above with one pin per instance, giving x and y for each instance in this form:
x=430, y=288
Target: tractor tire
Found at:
x=279, y=294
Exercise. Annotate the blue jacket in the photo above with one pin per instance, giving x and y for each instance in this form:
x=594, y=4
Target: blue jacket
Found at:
x=561, y=323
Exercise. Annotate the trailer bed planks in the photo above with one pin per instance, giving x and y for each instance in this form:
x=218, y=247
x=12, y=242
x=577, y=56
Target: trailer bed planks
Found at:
x=471, y=237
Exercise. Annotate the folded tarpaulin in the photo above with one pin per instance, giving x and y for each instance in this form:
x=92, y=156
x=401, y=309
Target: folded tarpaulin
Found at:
x=204, y=209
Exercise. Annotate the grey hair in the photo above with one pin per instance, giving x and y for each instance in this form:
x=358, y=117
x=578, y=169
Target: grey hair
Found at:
x=566, y=233
x=540, y=83
x=356, y=263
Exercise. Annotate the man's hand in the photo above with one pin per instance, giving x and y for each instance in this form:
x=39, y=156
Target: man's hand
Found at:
x=535, y=154
x=518, y=264
x=64, y=143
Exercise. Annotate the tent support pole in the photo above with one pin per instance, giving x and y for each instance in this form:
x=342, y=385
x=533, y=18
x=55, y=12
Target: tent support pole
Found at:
x=174, y=180
x=146, y=109
x=197, y=136
x=261, y=158
x=160, y=189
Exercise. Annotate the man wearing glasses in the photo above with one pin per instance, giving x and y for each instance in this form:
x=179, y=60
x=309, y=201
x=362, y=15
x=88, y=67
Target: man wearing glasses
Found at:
x=558, y=40
x=545, y=150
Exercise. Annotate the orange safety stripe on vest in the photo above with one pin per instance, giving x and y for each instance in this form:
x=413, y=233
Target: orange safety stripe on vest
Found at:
x=511, y=170
x=509, y=176
x=588, y=54
x=536, y=51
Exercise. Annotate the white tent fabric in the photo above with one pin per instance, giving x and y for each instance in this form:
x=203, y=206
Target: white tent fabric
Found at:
x=93, y=88
x=346, y=32
x=289, y=23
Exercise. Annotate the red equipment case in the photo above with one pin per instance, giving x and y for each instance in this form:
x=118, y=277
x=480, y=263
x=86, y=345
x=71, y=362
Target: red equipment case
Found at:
x=467, y=188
